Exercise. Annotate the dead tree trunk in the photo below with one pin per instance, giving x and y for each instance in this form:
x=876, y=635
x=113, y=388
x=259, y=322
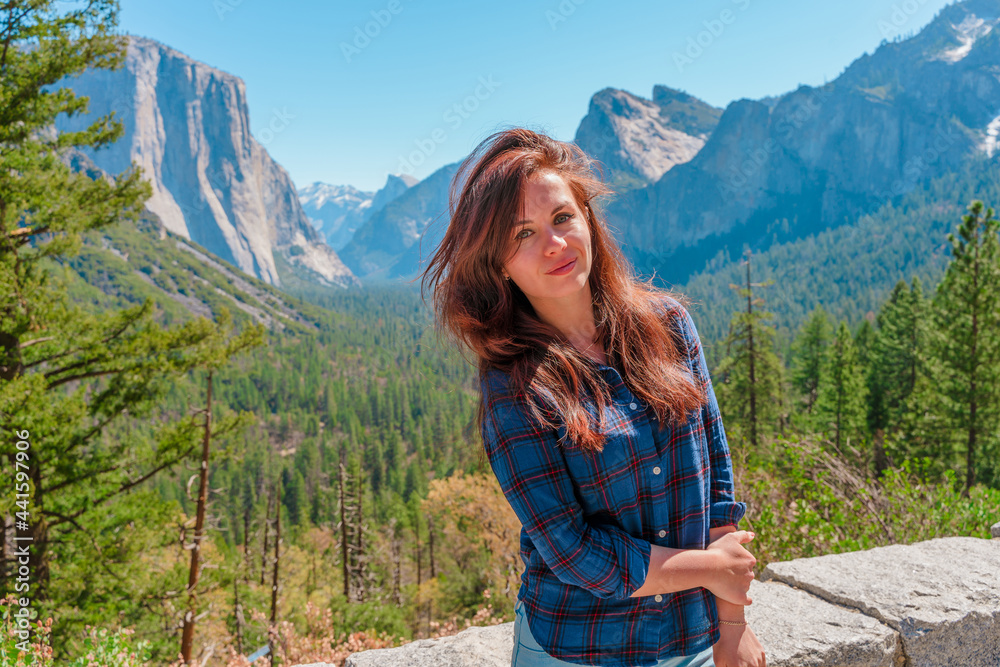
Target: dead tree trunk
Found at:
x=430, y=543
x=263, y=552
x=187, y=636
x=274, y=575
x=359, y=547
x=416, y=533
x=395, y=547
x=752, y=359
x=238, y=614
x=311, y=584
x=246, y=545
x=343, y=537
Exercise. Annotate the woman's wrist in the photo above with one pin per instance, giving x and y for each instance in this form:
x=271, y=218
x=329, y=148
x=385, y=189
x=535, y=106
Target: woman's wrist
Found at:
x=729, y=611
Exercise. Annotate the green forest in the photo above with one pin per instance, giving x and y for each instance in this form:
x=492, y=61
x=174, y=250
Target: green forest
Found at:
x=205, y=466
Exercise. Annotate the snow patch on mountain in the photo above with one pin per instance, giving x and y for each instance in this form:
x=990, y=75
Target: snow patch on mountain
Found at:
x=971, y=29
x=991, y=140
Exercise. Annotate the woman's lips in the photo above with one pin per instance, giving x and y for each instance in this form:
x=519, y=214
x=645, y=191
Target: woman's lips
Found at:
x=564, y=269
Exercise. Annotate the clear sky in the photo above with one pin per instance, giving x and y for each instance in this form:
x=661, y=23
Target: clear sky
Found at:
x=348, y=92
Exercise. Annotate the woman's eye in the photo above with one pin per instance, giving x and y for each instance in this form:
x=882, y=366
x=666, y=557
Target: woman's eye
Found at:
x=568, y=216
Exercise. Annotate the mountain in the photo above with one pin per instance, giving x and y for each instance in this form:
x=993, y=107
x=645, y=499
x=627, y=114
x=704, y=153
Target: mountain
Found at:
x=393, y=188
x=392, y=243
x=817, y=158
x=187, y=125
x=337, y=211
x=125, y=264
x=780, y=168
x=638, y=140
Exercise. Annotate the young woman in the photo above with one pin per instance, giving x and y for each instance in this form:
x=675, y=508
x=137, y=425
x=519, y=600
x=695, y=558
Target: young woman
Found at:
x=598, y=418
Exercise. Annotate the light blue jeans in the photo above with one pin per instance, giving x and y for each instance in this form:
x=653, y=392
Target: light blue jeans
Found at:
x=527, y=652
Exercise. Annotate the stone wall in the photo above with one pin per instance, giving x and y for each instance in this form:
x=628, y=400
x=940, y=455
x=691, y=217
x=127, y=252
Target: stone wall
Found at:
x=929, y=604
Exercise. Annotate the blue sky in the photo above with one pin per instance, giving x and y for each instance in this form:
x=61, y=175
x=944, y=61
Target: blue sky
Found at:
x=348, y=92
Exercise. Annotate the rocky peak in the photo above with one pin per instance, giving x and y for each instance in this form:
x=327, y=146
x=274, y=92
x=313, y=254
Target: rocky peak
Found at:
x=337, y=211
x=638, y=140
x=686, y=112
x=316, y=195
x=394, y=186
x=187, y=126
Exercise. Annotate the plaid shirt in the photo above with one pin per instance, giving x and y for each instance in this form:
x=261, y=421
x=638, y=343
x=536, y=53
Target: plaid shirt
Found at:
x=588, y=520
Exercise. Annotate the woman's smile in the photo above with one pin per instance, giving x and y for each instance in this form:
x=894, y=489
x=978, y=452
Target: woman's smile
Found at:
x=564, y=269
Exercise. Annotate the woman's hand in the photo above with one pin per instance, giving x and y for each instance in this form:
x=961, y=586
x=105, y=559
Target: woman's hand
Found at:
x=719, y=531
x=733, y=570
x=738, y=646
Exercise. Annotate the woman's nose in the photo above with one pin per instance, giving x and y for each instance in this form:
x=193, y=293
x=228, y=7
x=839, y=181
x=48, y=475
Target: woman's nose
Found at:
x=555, y=243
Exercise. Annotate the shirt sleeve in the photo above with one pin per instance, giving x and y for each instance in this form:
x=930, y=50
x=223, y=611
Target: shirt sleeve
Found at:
x=724, y=508
x=529, y=464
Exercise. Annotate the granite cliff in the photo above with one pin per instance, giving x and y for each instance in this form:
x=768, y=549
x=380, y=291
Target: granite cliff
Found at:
x=638, y=140
x=188, y=126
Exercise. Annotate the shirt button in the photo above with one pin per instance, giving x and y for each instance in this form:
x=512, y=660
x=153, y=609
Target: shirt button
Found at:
x=656, y=470
x=633, y=406
x=663, y=533
x=658, y=598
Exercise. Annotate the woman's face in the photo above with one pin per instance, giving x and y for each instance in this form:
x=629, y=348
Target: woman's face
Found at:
x=552, y=234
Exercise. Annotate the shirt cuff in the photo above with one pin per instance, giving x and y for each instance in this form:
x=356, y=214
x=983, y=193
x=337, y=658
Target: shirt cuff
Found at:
x=637, y=554
x=725, y=513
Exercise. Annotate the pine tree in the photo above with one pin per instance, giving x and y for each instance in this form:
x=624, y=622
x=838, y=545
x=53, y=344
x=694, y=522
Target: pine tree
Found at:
x=841, y=403
x=807, y=355
x=897, y=355
x=66, y=374
x=864, y=341
x=294, y=496
x=750, y=391
x=967, y=337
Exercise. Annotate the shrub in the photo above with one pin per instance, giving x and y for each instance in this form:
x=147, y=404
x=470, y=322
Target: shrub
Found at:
x=806, y=501
x=16, y=647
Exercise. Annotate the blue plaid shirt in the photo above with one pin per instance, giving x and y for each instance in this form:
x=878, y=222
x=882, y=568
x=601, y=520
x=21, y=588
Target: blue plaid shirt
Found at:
x=588, y=520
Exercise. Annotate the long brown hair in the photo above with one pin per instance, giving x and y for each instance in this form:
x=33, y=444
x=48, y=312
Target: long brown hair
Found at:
x=493, y=318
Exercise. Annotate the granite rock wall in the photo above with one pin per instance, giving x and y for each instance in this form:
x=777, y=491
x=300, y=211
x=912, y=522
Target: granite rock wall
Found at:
x=928, y=604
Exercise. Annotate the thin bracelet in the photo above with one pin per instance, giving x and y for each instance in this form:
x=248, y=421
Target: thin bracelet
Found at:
x=733, y=622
